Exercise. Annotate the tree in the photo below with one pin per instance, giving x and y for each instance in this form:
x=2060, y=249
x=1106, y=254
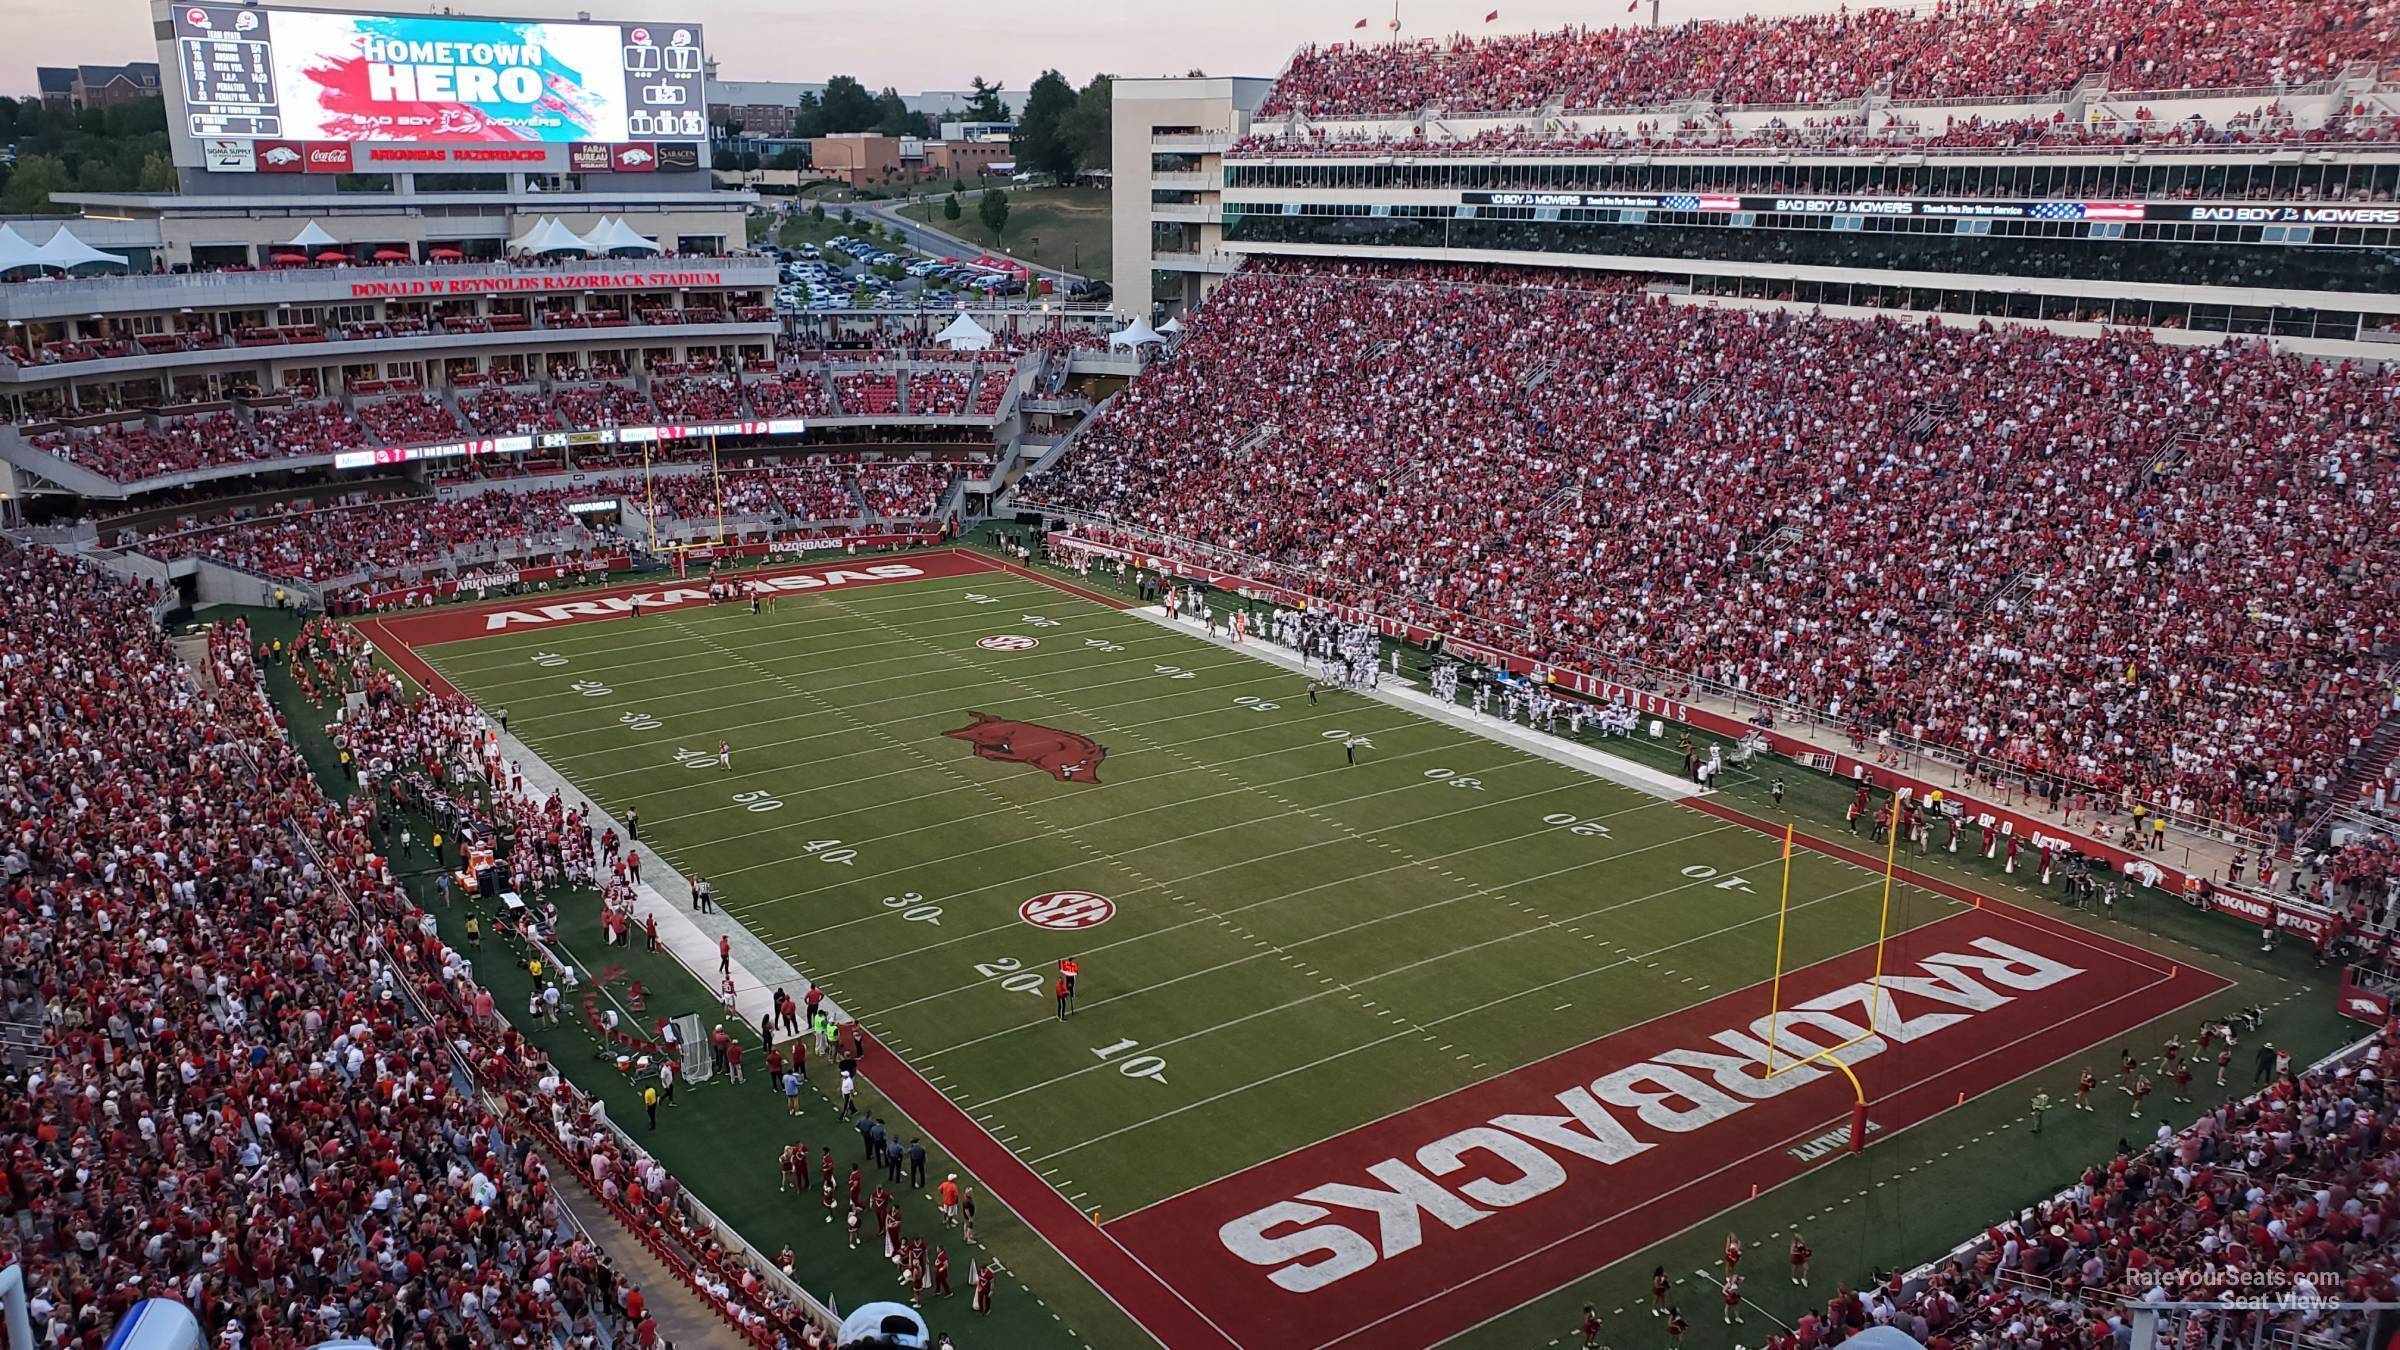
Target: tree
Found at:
x=1041, y=137
x=984, y=105
x=816, y=213
x=892, y=117
x=808, y=116
x=992, y=210
x=1087, y=126
x=786, y=160
x=158, y=174
x=847, y=106
x=950, y=209
x=29, y=187
x=957, y=184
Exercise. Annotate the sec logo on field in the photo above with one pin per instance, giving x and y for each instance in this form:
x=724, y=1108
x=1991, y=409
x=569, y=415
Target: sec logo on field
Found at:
x=1067, y=911
x=1008, y=642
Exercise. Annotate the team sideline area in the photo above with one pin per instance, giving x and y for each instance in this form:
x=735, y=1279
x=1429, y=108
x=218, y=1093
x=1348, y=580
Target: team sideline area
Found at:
x=1326, y=951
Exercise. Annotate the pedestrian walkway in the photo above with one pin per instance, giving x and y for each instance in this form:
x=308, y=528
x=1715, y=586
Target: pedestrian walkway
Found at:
x=684, y=1319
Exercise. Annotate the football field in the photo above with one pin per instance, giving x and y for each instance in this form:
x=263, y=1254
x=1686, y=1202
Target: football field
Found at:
x=1384, y=1025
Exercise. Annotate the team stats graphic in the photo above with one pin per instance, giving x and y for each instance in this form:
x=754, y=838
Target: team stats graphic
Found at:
x=326, y=76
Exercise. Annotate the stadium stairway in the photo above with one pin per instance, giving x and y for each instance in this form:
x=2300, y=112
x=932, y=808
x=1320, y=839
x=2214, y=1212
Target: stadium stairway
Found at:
x=683, y=1319
x=2366, y=766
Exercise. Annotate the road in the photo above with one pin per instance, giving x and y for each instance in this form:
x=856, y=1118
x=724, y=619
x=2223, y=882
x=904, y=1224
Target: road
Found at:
x=939, y=243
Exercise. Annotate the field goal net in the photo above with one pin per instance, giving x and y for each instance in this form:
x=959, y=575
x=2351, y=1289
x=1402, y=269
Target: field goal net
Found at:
x=691, y=1035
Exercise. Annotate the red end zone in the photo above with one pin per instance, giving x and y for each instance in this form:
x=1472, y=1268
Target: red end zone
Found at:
x=1414, y=1228
x=396, y=635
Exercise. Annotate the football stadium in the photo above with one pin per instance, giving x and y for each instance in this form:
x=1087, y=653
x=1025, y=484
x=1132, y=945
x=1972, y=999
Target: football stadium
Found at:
x=1719, y=680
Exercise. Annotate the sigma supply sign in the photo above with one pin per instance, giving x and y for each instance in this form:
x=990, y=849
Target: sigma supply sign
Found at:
x=317, y=75
x=1068, y=911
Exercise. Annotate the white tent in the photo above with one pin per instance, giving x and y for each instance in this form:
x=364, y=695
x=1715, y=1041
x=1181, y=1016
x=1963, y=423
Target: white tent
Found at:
x=16, y=252
x=551, y=237
x=964, y=334
x=1134, y=334
x=612, y=233
x=65, y=250
x=540, y=226
x=311, y=236
x=1170, y=326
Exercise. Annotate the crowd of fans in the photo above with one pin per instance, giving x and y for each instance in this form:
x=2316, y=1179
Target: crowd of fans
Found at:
x=939, y=393
x=593, y=406
x=2365, y=871
x=1967, y=49
x=2266, y=126
x=2146, y=568
x=2284, y=1198
x=409, y=419
x=867, y=393
x=135, y=449
x=798, y=392
x=314, y=542
x=149, y=444
x=796, y=491
x=500, y=410
x=904, y=489
x=697, y=398
x=236, y=1107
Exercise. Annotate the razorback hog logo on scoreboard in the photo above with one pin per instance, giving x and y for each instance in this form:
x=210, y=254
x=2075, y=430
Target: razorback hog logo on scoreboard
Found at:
x=1068, y=756
x=1330, y=1232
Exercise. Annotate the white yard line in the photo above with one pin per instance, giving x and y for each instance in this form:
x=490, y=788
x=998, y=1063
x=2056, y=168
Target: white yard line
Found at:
x=1323, y=1060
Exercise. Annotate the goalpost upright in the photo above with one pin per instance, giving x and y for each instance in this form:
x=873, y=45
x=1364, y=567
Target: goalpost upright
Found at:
x=1832, y=1053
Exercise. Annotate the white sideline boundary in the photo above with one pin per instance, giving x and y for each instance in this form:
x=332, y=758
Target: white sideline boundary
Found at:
x=1406, y=696
x=688, y=936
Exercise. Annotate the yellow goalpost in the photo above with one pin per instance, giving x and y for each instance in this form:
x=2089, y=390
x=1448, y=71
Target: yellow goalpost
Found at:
x=716, y=476
x=1832, y=1053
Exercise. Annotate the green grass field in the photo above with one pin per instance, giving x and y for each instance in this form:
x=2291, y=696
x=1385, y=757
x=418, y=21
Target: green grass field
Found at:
x=1299, y=944
x=1063, y=228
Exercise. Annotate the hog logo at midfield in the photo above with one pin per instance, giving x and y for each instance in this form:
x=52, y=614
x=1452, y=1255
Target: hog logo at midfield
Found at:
x=1068, y=756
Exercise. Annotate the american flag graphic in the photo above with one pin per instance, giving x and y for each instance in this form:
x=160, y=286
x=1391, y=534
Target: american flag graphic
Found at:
x=2088, y=211
x=1685, y=201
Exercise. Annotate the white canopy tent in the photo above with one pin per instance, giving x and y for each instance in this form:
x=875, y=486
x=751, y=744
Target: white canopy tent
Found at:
x=1171, y=326
x=16, y=251
x=311, y=235
x=551, y=237
x=65, y=250
x=965, y=335
x=612, y=234
x=532, y=232
x=1135, y=334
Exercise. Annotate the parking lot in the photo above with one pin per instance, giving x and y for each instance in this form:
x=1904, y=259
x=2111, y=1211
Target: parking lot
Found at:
x=848, y=268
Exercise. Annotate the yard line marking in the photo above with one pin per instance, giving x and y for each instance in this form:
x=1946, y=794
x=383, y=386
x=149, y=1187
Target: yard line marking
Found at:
x=1193, y=876
x=1321, y=1061
x=1277, y=899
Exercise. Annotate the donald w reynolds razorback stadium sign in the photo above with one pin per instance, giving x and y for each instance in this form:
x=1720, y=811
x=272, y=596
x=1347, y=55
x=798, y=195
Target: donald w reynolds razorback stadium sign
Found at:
x=536, y=281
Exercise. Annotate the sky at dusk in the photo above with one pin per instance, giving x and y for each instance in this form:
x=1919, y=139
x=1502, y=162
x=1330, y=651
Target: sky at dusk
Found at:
x=916, y=45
